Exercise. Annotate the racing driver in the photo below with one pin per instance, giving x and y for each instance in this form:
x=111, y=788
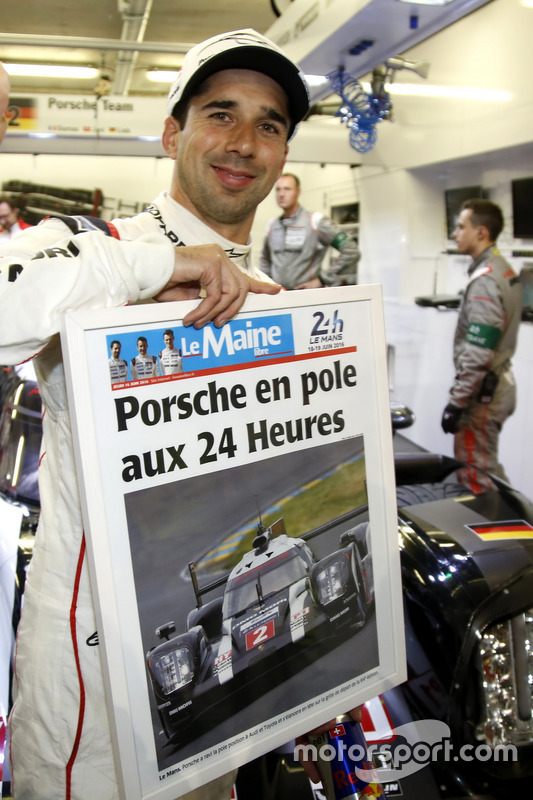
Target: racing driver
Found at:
x=231, y=112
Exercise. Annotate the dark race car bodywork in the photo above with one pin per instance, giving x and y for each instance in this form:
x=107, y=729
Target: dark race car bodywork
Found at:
x=467, y=577
x=277, y=600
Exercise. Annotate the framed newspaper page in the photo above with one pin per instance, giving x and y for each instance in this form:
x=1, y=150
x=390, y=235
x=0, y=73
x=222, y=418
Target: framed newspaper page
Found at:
x=239, y=501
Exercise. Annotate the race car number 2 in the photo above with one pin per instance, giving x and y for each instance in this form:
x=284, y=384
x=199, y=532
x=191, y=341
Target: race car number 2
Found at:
x=260, y=635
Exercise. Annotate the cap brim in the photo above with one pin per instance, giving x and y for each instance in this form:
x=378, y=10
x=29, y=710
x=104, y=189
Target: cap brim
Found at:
x=261, y=59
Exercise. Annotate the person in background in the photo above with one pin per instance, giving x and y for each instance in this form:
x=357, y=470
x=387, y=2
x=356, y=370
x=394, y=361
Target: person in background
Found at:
x=295, y=244
x=483, y=394
x=11, y=223
x=144, y=365
x=118, y=368
x=231, y=112
x=4, y=100
x=170, y=360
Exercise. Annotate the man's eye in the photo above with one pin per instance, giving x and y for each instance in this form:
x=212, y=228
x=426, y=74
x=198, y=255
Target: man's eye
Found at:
x=269, y=127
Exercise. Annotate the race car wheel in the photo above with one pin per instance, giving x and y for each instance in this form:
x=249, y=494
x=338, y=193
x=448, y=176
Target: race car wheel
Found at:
x=426, y=492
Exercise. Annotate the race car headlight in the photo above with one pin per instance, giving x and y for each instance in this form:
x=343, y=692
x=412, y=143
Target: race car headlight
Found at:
x=506, y=660
x=173, y=670
x=331, y=582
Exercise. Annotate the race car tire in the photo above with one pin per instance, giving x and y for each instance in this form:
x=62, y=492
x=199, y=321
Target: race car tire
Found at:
x=426, y=492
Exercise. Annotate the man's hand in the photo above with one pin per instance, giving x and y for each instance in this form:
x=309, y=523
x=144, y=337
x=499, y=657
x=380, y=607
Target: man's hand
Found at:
x=450, y=418
x=314, y=283
x=205, y=270
x=310, y=766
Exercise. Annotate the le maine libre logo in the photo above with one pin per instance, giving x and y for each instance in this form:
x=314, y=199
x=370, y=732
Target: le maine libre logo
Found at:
x=239, y=341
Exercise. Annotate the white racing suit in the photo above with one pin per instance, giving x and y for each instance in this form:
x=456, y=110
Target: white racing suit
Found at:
x=60, y=738
x=118, y=370
x=294, y=249
x=170, y=361
x=484, y=387
x=144, y=367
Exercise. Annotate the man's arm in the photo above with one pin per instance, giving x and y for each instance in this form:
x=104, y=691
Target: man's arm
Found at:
x=485, y=323
x=47, y=271
x=343, y=270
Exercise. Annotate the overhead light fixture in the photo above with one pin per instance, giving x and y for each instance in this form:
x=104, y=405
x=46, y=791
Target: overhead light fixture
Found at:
x=51, y=71
x=170, y=75
x=451, y=92
x=427, y=2
x=316, y=80
x=162, y=75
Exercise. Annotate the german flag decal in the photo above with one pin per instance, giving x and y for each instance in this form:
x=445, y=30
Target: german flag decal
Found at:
x=512, y=529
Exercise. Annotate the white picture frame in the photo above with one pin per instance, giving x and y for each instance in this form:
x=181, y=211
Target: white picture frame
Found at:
x=291, y=392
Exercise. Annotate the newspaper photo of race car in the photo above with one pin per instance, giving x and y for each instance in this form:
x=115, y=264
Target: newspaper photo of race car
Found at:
x=277, y=599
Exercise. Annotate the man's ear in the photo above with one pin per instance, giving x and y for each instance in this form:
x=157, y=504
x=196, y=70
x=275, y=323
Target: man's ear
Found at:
x=170, y=137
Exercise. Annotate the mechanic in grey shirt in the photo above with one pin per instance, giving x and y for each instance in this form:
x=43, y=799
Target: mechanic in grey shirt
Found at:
x=295, y=244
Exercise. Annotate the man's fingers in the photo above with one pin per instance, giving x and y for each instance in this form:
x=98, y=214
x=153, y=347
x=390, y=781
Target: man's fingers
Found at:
x=208, y=268
x=263, y=287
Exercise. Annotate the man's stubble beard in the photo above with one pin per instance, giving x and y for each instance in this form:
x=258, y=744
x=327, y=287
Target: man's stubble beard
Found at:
x=226, y=209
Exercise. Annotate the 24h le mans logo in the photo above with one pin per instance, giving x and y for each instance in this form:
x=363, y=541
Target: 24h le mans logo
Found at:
x=327, y=332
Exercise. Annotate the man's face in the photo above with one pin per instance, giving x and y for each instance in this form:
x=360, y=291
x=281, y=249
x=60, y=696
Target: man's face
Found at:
x=231, y=150
x=8, y=216
x=287, y=193
x=465, y=234
x=115, y=349
x=169, y=341
x=142, y=347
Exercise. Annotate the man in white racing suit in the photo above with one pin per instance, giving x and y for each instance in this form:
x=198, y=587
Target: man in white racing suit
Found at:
x=170, y=359
x=144, y=365
x=295, y=244
x=118, y=368
x=231, y=112
x=484, y=392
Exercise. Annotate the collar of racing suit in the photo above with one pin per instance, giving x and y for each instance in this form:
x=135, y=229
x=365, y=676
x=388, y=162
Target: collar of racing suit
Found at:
x=183, y=228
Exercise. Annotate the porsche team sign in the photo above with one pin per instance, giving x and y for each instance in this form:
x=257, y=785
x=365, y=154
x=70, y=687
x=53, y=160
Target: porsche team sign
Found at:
x=241, y=523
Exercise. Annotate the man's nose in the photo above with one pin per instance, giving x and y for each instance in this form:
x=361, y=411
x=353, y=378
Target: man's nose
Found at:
x=242, y=139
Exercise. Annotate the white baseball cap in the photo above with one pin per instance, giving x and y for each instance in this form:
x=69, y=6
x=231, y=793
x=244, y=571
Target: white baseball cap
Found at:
x=244, y=49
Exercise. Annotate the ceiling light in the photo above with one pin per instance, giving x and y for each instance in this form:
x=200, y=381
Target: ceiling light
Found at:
x=451, y=92
x=162, y=75
x=427, y=2
x=170, y=75
x=316, y=80
x=50, y=71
